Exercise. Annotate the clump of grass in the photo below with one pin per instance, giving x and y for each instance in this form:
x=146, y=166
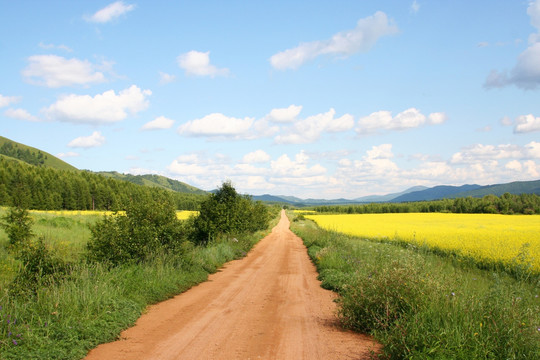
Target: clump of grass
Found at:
x=423, y=306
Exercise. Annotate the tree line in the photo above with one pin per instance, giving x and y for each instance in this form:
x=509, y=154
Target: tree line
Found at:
x=47, y=188
x=490, y=204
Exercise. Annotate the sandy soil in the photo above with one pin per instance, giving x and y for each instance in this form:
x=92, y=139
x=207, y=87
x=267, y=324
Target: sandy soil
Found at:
x=268, y=305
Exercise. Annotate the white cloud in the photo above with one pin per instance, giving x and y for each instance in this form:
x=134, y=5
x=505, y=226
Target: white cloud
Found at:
x=56, y=71
x=68, y=154
x=8, y=100
x=165, y=78
x=110, y=12
x=198, y=63
x=258, y=156
x=104, y=108
x=415, y=7
x=408, y=119
x=526, y=124
x=534, y=13
x=437, y=118
x=480, y=153
x=160, y=122
x=367, y=32
x=20, y=114
x=94, y=140
x=514, y=165
x=216, y=125
x=526, y=72
x=286, y=167
x=284, y=115
x=311, y=128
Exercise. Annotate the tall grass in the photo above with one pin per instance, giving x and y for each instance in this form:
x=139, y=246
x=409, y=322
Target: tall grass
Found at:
x=92, y=303
x=423, y=306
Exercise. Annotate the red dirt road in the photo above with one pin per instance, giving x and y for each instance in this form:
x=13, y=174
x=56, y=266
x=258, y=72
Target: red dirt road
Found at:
x=268, y=305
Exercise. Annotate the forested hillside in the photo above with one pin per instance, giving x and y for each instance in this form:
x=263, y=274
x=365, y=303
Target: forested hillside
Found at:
x=155, y=181
x=30, y=155
x=38, y=187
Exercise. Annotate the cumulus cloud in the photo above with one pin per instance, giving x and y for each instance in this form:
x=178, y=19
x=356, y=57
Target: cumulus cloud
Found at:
x=526, y=124
x=480, y=153
x=526, y=73
x=217, y=125
x=367, y=32
x=94, y=140
x=104, y=108
x=8, y=100
x=20, y=114
x=284, y=115
x=56, y=71
x=258, y=156
x=287, y=167
x=198, y=63
x=311, y=128
x=408, y=119
x=160, y=122
x=110, y=12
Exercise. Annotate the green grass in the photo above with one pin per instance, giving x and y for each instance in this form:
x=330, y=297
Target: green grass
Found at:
x=92, y=303
x=423, y=306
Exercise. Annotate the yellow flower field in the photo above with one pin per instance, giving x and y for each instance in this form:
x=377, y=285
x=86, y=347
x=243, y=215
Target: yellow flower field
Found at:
x=181, y=214
x=510, y=239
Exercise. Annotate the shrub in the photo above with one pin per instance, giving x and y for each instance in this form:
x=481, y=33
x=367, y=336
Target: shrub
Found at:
x=146, y=228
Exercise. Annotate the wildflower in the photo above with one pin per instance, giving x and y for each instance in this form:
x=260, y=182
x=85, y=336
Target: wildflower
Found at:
x=15, y=342
x=453, y=293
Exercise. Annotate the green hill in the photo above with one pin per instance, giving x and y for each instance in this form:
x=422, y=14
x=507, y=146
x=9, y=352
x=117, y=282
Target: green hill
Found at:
x=155, y=181
x=10, y=149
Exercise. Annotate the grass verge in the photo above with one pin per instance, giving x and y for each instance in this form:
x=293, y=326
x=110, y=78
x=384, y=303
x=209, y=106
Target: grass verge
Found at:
x=423, y=306
x=93, y=303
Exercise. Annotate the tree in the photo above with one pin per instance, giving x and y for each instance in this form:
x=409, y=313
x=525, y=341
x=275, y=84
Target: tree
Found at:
x=226, y=213
x=17, y=224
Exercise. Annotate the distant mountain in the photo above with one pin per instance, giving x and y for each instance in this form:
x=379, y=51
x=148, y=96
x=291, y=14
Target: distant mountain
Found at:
x=10, y=149
x=389, y=197
x=416, y=193
x=434, y=193
x=155, y=181
x=516, y=187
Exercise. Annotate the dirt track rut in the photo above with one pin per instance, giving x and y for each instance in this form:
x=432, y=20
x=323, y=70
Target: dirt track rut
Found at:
x=268, y=305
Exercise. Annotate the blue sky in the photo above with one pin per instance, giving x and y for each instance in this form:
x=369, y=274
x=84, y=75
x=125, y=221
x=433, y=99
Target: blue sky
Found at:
x=307, y=98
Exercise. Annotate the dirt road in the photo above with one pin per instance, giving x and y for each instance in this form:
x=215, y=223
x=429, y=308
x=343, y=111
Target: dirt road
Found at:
x=268, y=305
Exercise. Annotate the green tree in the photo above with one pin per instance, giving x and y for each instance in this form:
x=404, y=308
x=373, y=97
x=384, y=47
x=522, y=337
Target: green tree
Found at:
x=226, y=213
x=17, y=224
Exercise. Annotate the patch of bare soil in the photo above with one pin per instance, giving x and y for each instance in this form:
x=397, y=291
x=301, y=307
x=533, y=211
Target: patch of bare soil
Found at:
x=268, y=305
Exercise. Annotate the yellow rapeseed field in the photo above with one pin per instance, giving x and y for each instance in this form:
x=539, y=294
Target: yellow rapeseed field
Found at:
x=181, y=215
x=510, y=239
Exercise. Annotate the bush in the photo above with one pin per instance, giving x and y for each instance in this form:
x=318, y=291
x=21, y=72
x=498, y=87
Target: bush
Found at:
x=39, y=267
x=146, y=228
